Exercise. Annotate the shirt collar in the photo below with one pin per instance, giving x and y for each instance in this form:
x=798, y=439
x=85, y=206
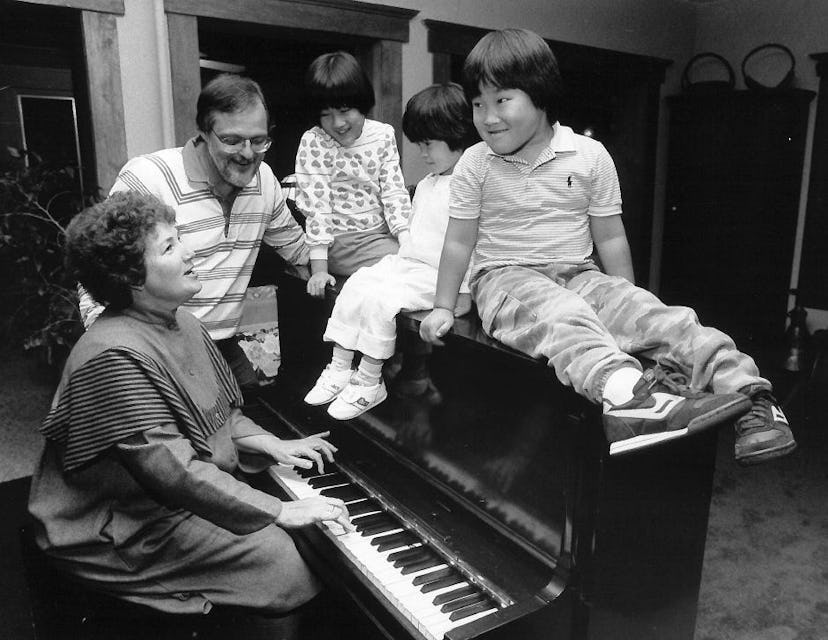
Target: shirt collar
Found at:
x=563, y=140
x=197, y=163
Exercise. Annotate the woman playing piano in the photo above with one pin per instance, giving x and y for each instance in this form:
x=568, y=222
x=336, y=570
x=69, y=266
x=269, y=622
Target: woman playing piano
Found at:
x=136, y=493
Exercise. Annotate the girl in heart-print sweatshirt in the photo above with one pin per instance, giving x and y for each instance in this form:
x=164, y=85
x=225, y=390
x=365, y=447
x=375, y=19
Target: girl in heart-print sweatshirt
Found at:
x=349, y=183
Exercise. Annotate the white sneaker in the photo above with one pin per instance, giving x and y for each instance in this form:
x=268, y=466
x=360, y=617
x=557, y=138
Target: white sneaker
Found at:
x=356, y=399
x=329, y=385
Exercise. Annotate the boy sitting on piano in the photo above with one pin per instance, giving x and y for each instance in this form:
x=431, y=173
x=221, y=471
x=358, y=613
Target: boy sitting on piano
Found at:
x=438, y=120
x=531, y=202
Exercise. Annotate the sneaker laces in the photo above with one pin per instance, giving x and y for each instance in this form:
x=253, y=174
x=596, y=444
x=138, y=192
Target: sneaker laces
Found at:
x=675, y=381
x=757, y=415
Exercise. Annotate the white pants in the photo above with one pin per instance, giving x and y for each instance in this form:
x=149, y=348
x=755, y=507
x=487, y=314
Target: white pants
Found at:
x=364, y=317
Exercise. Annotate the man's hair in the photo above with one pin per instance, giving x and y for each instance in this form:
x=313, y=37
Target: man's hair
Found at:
x=227, y=93
x=105, y=245
x=516, y=59
x=440, y=112
x=335, y=80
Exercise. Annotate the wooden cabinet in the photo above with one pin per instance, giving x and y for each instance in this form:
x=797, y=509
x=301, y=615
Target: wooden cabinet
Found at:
x=733, y=185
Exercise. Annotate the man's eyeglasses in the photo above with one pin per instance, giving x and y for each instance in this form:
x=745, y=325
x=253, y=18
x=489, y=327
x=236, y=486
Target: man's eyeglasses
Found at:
x=259, y=144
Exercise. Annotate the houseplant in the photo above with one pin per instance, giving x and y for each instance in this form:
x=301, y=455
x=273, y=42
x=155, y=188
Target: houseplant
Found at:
x=38, y=301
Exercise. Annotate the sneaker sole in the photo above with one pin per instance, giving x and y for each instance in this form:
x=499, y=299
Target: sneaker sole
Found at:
x=320, y=404
x=647, y=440
x=733, y=410
x=323, y=402
x=698, y=424
x=758, y=457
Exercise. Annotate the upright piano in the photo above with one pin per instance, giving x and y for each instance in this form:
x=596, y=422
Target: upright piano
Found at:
x=487, y=505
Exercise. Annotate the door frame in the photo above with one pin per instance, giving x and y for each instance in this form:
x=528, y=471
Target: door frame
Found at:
x=387, y=26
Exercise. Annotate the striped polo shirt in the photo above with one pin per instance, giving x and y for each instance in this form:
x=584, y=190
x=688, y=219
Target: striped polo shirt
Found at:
x=224, y=257
x=536, y=214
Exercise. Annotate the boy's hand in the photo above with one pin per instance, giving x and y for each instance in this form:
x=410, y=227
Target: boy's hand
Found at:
x=318, y=282
x=436, y=325
x=463, y=304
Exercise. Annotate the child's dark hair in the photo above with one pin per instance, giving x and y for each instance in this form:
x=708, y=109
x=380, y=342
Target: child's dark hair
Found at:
x=335, y=80
x=516, y=59
x=440, y=112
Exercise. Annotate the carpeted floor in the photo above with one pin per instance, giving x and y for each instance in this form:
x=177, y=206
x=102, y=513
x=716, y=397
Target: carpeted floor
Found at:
x=765, y=574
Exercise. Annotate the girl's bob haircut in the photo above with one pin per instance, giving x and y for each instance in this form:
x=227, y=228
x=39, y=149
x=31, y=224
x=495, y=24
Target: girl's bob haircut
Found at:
x=516, y=59
x=440, y=112
x=335, y=80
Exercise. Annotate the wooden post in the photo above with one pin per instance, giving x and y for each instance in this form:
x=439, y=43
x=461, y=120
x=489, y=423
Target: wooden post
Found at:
x=386, y=75
x=184, y=73
x=103, y=68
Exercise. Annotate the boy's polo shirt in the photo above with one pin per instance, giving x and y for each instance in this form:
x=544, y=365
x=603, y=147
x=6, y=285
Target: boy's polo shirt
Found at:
x=535, y=214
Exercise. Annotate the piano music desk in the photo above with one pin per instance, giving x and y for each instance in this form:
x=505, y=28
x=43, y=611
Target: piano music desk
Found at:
x=504, y=473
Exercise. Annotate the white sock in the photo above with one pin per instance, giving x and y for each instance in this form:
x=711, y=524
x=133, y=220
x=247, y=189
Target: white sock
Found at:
x=342, y=358
x=368, y=373
x=618, y=388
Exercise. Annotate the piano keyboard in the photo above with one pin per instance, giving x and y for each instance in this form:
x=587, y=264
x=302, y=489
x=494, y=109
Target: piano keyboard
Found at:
x=421, y=584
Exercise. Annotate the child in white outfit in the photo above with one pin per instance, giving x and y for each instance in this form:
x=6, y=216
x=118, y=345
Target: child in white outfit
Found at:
x=438, y=120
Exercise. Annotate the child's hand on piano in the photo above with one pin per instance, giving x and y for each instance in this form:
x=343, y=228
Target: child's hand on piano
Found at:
x=317, y=283
x=436, y=325
x=300, y=513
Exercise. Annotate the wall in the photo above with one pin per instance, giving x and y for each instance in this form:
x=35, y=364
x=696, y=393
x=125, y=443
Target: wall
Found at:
x=732, y=28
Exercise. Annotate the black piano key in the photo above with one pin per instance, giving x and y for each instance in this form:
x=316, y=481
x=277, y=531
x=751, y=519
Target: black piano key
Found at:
x=420, y=553
x=348, y=493
x=328, y=480
x=312, y=472
x=460, y=603
x=365, y=521
x=462, y=592
x=431, y=577
x=362, y=507
x=405, y=553
x=380, y=527
x=422, y=564
x=394, y=540
x=477, y=607
x=454, y=578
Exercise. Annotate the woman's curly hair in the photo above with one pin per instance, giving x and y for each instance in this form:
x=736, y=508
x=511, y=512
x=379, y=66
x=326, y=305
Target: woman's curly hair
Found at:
x=105, y=245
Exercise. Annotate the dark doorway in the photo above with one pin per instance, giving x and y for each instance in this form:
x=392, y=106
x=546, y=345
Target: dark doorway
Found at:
x=277, y=59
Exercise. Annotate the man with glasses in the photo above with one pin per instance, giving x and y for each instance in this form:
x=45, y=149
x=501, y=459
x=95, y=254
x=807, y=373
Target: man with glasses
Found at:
x=227, y=202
